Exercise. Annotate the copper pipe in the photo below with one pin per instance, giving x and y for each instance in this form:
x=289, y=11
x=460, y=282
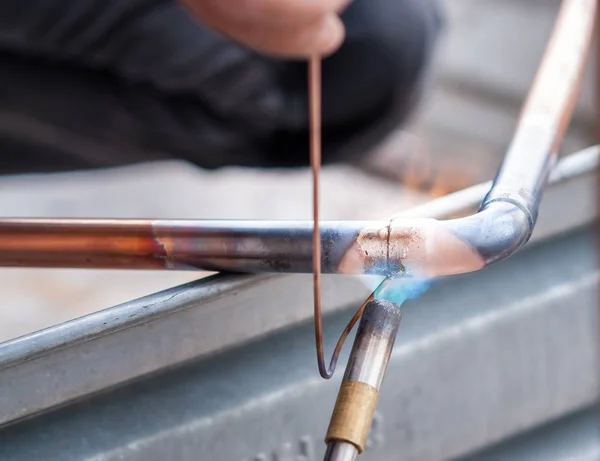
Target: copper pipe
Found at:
x=391, y=247
x=189, y=244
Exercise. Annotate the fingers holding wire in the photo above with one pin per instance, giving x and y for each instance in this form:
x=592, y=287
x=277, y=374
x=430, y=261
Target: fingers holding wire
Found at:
x=282, y=28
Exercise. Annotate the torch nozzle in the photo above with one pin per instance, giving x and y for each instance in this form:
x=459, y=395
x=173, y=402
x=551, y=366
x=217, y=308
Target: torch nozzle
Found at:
x=348, y=432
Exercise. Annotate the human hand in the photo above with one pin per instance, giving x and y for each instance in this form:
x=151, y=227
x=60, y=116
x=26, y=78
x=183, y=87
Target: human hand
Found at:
x=282, y=28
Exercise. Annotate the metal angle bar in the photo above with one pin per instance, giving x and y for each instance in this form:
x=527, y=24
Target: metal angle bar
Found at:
x=114, y=345
x=574, y=438
x=215, y=314
x=465, y=374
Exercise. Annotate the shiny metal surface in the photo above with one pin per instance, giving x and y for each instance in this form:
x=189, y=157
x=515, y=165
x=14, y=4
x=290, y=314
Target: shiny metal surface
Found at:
x=340, y=451
x=374, y=342
x=256, y=246
x=535, y=345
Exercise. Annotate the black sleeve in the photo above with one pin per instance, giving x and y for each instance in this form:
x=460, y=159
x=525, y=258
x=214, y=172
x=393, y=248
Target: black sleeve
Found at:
x=94, y=83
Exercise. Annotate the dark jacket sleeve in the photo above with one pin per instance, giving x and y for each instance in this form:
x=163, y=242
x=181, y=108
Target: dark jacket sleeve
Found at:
x=93, y=83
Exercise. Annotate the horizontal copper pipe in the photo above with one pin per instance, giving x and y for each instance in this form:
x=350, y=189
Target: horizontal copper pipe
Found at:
x=80, y=243
x=398, y=246
x=226, y=245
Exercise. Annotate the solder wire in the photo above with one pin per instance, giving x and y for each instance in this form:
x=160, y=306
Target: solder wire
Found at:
x=314, y=97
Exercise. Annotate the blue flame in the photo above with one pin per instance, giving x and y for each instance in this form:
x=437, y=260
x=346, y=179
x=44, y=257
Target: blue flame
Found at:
x=398, y=290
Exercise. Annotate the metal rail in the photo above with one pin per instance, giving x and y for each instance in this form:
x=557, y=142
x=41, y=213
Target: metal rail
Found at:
x=395, y=247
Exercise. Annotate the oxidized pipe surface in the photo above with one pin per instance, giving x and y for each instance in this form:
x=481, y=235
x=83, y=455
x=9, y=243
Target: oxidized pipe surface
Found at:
x=398, y=246
x=249, y=245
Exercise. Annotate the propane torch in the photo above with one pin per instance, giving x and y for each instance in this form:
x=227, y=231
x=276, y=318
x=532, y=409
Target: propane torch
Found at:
x=357, y=398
